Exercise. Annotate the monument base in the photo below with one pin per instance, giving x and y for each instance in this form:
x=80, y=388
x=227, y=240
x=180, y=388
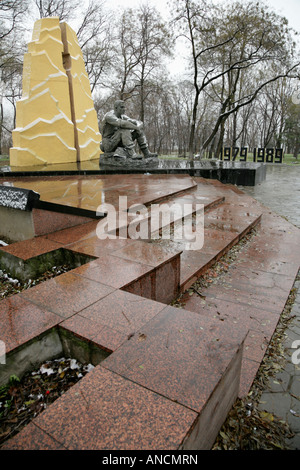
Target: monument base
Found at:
x=238, y=173
x=128, y=162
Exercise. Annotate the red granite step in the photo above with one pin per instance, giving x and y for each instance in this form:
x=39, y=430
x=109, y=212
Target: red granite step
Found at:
x=253, y=292
x=173, y=381
x=112, y=320
x=105, y=411
x=189, y=359
x=174, y=373
x=222, y=230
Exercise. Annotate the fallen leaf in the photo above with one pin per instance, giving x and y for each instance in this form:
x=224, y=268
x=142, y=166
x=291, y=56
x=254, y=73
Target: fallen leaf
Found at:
x=266, y=415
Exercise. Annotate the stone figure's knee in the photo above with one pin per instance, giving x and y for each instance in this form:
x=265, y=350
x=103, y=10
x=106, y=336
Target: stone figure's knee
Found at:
x=138, y=134
x=126, y=132
x=127, y=137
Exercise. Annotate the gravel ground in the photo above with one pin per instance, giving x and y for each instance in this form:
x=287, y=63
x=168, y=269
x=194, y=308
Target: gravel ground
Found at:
x=23, y=400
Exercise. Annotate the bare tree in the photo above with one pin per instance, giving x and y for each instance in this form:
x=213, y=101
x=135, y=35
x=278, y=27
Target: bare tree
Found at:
x=291, y=131
x=225, y=45
x=95, y=38
x=141, y=42
x=154, y=44
x=11, y=51
x=64, y=9
x=196, y=20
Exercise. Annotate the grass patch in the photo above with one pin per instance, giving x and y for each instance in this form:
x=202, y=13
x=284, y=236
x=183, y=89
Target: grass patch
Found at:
x=4, y=159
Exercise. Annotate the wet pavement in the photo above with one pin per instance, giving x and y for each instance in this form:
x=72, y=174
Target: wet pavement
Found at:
x=254, y=296
x=119, y=298
x=89, y=193
x=281, y=193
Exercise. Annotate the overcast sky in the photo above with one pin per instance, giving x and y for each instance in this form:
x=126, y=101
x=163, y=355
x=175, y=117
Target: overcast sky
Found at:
x=288, y=8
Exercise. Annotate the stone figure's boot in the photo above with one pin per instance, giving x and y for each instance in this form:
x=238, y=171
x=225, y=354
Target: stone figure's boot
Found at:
x=143, y=144
x=131, y=154
x=148, y=154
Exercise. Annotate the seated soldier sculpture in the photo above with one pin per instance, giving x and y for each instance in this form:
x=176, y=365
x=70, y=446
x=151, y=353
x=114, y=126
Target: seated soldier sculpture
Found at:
x=119, y=133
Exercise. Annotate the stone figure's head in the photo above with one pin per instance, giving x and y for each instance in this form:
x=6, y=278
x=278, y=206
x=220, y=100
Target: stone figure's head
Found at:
x=119, y=107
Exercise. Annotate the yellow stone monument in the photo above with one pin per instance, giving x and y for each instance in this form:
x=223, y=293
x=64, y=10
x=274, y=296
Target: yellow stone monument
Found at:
x=56, y=121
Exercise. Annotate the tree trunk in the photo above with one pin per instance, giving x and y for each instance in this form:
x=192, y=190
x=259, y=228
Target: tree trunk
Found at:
x=1, y=128
x=193, y=126
x=221, y=139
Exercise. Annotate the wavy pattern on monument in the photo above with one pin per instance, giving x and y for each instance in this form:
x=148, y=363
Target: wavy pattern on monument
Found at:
x=56, y=121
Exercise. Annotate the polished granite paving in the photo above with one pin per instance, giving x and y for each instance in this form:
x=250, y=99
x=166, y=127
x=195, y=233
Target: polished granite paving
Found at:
x=91, y=192
x=166, y=364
